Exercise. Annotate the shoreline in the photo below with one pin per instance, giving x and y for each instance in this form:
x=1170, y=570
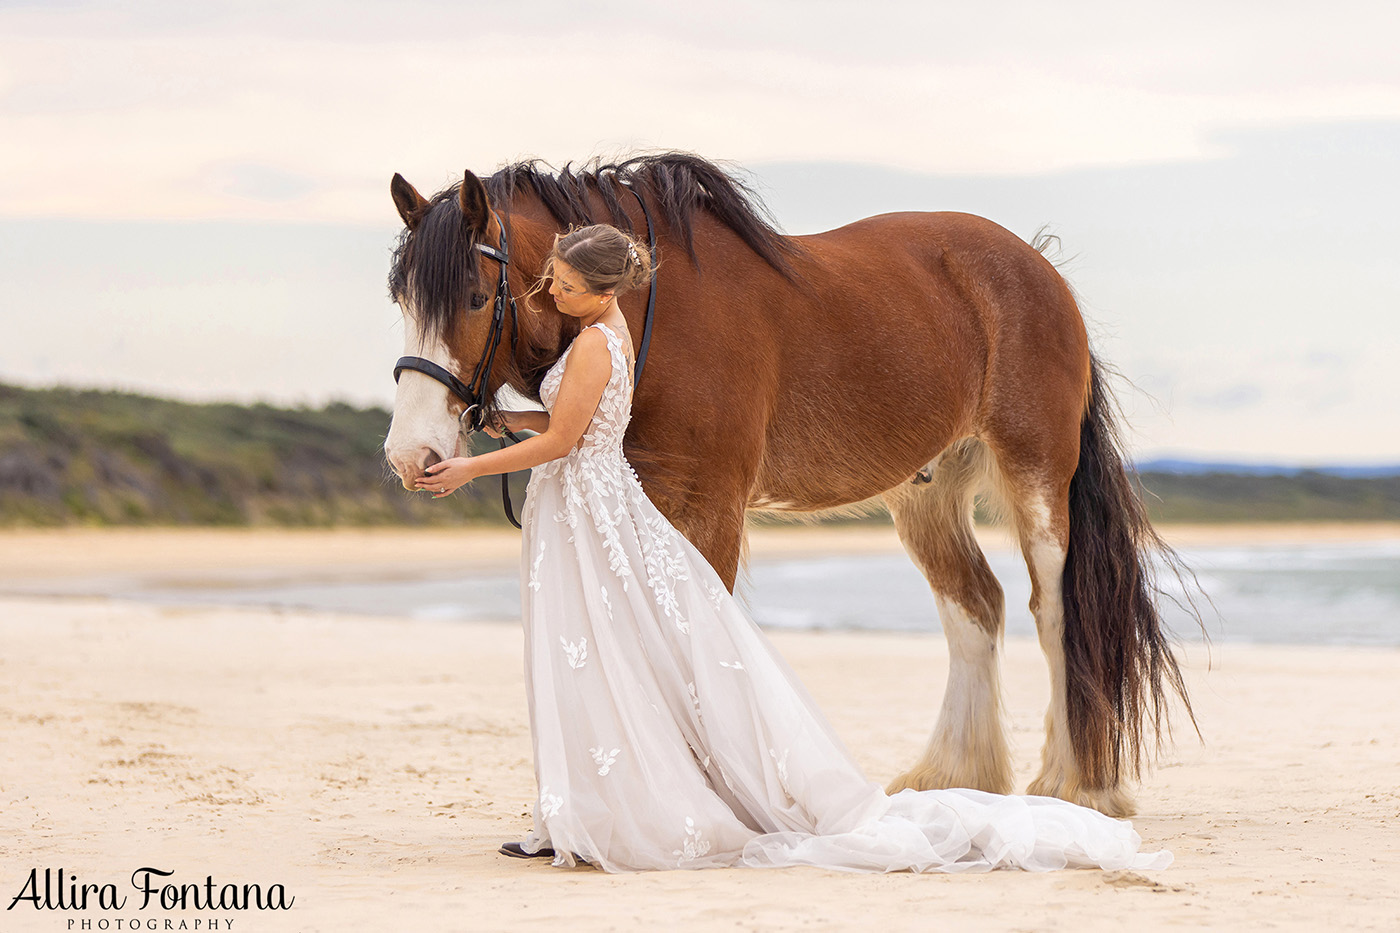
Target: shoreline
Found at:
x=59, y=553
x=466, y=574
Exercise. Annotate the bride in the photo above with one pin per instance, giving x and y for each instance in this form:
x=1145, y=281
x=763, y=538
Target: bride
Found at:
x=667, y=731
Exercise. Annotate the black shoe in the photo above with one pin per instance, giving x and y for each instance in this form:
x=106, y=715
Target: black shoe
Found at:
x=514, y=851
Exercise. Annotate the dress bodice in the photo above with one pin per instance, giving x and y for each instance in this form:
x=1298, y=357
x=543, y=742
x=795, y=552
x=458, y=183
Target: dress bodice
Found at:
x=609, y=424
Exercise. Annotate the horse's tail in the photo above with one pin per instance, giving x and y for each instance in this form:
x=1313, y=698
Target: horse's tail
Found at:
x=1118, y=662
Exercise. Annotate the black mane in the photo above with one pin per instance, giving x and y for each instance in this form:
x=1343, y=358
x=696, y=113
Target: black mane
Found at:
x=436, y=261
x=680, y=183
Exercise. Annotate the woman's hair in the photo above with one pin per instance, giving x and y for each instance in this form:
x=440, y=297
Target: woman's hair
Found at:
x=606, y=258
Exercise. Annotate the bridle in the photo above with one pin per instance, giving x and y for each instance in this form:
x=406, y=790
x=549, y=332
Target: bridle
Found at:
x=474, y=393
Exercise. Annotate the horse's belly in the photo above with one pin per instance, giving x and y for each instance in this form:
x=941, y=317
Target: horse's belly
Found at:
x=812, y=487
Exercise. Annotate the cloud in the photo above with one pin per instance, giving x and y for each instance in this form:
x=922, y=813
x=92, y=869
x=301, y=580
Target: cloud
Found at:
x=1275, y=372
x=261, y=182
x=1229, y=398
x=347, y=94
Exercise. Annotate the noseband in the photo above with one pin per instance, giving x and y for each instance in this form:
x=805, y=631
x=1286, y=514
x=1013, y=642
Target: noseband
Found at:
x=474, y=393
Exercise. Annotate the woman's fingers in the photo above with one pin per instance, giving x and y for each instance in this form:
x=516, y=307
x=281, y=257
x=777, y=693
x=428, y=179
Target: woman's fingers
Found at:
x=498, y=425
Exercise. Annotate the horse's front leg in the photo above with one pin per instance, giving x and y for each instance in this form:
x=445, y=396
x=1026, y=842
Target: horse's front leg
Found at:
x=709, y=510
x=968, y=747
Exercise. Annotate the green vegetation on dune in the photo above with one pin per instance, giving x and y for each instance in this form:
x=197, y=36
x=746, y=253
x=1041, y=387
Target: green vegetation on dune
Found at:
x=91, y=457
x=1306, y=496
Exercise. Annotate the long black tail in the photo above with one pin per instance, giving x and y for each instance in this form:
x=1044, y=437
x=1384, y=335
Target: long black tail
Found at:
x=1119, y=664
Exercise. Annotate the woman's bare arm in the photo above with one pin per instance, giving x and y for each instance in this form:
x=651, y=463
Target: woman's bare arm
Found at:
x=585, y=377
x=530, y=420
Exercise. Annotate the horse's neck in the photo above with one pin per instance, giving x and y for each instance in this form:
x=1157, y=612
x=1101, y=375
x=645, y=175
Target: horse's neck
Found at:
x=548, y=334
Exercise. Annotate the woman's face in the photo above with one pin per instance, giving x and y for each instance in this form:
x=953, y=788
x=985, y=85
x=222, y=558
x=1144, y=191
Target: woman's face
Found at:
x=570, y=294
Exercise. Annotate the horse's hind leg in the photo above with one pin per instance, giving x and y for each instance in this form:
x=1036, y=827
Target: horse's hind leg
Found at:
x=1041, y=510
x=968, y=747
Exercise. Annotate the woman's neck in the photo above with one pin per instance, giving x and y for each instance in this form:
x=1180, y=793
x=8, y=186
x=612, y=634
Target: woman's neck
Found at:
x=604, y=312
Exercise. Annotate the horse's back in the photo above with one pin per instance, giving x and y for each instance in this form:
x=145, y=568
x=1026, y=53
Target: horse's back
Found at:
x=954, y=263
x=919, y=230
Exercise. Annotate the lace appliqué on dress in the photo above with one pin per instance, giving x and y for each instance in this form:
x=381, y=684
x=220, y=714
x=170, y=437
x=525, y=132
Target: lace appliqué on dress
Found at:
x=577, y=654
x=549, y=803
x=695, y=844
x=603, y=759
x=534, y=582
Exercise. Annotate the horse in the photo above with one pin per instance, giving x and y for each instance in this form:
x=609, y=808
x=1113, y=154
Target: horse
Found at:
x=916, y=361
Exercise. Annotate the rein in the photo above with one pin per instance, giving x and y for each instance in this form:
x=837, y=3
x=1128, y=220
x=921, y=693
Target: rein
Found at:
x=474, y=393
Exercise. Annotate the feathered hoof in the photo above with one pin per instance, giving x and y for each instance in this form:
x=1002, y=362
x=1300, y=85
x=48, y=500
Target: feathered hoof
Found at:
x=995, y=779
x=1110, y=801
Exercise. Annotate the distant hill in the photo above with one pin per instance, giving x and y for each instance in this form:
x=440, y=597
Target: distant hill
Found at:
x=1201, y=467
x=1305, y=495
x=94, y=457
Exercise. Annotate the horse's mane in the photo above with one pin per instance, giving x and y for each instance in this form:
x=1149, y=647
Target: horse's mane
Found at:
x=680, y=183
x=437, y=263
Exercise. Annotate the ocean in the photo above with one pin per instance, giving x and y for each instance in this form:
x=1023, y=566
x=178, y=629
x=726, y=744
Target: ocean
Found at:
x=1328, y=593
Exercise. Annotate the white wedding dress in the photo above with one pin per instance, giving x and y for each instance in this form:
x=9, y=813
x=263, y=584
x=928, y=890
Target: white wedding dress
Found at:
x=669, y=733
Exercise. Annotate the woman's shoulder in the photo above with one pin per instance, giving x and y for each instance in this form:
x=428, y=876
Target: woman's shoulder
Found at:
x=619, y=333
x=590, y=347
x=593, y=335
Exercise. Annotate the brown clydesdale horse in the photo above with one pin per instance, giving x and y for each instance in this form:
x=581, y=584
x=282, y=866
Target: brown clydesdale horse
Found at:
x=812, y=374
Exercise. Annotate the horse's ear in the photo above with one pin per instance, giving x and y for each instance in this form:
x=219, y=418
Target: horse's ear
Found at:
x=407, y=199
x=476, y=206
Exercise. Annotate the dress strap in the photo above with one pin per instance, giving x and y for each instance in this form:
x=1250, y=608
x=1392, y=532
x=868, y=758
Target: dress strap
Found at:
x=615, y=336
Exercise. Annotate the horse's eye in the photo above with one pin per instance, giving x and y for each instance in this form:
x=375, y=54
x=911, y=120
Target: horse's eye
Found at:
x=478, y=299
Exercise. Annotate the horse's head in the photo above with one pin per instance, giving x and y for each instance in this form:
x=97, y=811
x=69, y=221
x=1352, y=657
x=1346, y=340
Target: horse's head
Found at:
x=444, y=285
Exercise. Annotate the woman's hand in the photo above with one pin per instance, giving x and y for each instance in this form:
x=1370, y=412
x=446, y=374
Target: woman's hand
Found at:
x=501, y=422
x=447, y=476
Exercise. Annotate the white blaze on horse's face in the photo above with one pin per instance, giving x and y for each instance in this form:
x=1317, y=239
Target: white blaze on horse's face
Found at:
x=424, y=428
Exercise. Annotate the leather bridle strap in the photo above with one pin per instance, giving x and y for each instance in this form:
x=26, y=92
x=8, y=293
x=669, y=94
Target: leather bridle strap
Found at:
x=428, y=368
x=482, y=373
x=651, y=292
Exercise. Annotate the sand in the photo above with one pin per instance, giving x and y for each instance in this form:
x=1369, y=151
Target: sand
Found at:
x=373, y=765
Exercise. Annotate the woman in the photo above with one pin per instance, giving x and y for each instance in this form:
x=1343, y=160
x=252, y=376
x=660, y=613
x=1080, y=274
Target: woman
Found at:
x=667, y=730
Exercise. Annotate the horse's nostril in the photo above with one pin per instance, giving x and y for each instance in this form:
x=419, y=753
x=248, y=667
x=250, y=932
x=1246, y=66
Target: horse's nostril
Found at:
x=430, y=458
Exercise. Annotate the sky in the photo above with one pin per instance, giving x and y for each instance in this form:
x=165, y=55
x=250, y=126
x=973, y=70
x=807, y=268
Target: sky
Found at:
x=193, y=197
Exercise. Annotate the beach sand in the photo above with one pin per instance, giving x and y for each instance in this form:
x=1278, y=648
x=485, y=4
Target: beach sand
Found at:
x=373, y=765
